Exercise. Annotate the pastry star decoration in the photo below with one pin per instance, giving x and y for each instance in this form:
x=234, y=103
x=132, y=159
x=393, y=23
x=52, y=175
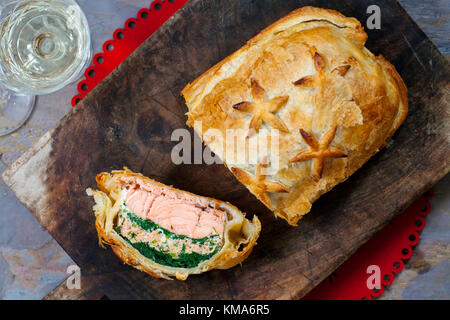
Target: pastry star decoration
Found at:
x=263, y=110
x=319, y=65
x=258, y=184
x=319, y=151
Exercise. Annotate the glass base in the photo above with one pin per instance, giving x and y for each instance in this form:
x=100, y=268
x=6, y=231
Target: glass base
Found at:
x=15, y=109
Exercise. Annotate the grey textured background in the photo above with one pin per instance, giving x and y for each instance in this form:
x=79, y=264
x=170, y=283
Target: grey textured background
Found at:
x=32, y=263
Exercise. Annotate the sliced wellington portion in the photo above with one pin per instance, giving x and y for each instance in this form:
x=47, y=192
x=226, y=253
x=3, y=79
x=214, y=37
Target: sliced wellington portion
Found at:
x=168, y=232
x=173, y=229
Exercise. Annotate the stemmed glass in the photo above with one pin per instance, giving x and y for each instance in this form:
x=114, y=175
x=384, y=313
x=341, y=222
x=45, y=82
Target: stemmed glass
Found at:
x=44, y=45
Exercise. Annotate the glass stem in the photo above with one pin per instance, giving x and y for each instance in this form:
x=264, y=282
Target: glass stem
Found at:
x=15, y=109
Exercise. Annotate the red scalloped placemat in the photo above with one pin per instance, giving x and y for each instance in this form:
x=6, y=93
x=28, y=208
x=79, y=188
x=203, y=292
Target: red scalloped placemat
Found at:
x=387, y=250
x=125, y=41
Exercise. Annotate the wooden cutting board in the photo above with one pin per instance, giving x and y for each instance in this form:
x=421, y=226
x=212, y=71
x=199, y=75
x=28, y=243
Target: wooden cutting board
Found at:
x=128, y=120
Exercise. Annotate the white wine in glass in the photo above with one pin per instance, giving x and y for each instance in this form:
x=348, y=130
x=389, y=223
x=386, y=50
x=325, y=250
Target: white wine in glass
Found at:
x=44, y=45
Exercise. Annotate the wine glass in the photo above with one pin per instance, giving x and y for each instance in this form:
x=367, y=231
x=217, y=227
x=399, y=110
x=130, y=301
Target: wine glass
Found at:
x=44, y=45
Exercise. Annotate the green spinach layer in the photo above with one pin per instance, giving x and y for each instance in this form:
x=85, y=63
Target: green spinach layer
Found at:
x=182, y=260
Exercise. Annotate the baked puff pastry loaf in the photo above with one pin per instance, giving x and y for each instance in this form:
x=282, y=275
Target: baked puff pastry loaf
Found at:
x=308, y=82
x=167, y=232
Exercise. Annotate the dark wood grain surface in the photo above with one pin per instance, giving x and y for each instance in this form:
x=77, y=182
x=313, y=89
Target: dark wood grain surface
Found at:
x=128, y=120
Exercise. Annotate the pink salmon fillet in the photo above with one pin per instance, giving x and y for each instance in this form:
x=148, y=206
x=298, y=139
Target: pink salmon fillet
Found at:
x=178, y=212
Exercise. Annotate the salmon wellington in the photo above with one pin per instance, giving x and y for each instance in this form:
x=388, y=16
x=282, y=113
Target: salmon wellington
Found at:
x=167, y=232
x=309, y=82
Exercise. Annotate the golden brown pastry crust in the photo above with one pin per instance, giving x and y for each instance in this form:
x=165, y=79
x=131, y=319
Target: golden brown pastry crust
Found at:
x=239, y=236
x=312, y=66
